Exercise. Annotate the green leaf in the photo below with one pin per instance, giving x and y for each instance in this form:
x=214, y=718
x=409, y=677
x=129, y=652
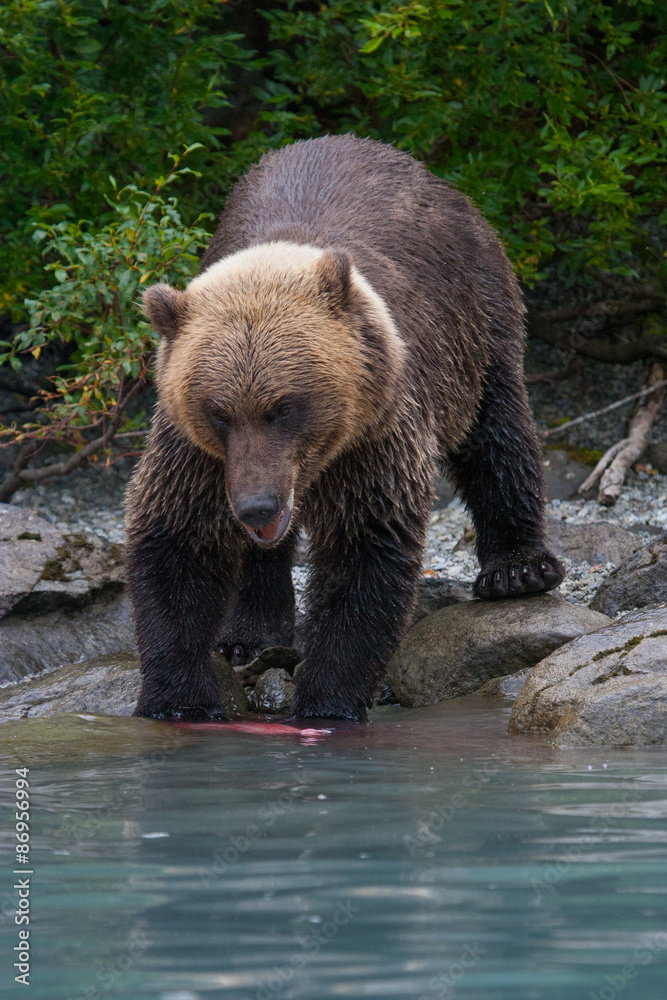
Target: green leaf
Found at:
x=372, y=45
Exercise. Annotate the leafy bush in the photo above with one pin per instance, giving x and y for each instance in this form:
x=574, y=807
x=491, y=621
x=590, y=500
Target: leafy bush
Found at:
x=98, y=273
x=551, y=115
x=97, y=87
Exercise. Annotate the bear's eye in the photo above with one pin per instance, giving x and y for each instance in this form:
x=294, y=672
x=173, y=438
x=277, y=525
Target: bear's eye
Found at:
x=280, y=412
x=220, y=421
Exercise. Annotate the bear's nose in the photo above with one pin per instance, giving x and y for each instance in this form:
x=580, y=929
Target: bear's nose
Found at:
x=258, y=511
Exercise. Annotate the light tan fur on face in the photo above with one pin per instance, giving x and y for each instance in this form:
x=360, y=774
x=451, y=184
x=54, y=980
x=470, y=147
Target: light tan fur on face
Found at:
x=256, y=325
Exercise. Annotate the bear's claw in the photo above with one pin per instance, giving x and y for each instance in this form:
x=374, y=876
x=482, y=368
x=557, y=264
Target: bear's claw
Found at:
x=518, y=575
x=183, y=713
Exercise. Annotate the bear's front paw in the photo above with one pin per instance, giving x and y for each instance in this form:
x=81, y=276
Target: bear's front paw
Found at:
x=182, y=713
x=518, y=574
x=309, y=707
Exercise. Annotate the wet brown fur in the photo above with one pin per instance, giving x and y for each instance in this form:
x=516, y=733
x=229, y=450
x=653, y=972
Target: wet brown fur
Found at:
x=386, y=399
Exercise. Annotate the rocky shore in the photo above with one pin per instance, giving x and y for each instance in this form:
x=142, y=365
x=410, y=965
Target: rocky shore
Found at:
x=587, y=664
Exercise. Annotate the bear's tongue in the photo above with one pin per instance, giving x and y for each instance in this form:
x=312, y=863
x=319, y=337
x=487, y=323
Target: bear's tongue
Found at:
x=269, y=531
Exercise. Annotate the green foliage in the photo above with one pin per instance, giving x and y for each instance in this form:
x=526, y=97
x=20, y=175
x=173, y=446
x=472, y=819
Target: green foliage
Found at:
x=551, y=116
x=94, y=301
x=90, y=88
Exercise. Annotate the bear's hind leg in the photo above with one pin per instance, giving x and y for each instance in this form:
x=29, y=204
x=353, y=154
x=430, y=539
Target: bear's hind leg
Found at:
x=262, y=611
x=498, y=472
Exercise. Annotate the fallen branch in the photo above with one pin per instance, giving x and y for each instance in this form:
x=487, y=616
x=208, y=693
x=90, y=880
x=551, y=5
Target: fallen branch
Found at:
x=608, y=309
x=639, y=435
x=647, y=390
x=21, y=474
x=645, y=348
x=606, y=460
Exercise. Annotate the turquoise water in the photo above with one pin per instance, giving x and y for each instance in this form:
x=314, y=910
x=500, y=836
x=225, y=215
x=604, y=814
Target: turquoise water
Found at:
x=427, y=855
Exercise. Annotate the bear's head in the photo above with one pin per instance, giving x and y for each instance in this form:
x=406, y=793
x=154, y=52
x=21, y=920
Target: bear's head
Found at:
x=274, y=360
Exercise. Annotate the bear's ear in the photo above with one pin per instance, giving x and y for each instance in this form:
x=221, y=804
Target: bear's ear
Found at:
x=334, y=275
x=164, y=307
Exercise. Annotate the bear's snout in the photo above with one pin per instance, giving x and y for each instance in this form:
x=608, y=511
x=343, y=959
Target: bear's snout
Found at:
x=263, y=517
x=258, y=511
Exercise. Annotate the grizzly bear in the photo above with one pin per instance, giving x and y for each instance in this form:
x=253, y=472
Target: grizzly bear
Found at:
x=354, y=323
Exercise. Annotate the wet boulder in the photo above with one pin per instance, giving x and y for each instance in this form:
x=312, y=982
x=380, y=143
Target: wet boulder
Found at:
x=273, y=693
x=456, y=650
x=273, y=657
x=639, y=582
x=33, y=644
x=105, y=685
x=506, y=687
x=608, y=687
x=42, y=569
x=439, y=592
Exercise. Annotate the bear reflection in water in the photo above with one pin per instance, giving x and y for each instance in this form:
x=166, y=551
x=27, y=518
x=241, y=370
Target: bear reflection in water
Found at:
x=355, y=323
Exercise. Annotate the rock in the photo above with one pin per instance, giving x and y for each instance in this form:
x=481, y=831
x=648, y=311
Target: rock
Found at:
x=438, y=592
x=656, y=454
x=105, y=685
x=607, y=687
x=42, y=569
x=507, y=686
x=598, y=542
x=27, y=544
x=232, y=693
x=637, y=583
x=35, y=644
x=562, y=474
x=280, y=657
x=273, y=692
x=457, y=649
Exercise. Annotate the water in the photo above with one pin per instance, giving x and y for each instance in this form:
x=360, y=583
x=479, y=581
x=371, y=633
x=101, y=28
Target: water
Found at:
x=427, y=855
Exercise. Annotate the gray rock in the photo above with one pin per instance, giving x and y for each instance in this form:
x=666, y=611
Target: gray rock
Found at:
x=280, y=657
x=656, y=454
x=232, y=693
x=35, y=644
x=273, y=692
x=608, y=687
x=598, y=542
x=105, y=685
x=639, y=582
x=457, y=649
x=562, y=474
x=439, y=592
x=27, y=543
x=42, y=569
x=507, y=686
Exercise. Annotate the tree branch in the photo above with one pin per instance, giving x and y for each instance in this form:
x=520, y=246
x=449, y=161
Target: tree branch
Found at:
x=639, y=434
x=646, y=391
x=21, y=474
x=599, y=350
